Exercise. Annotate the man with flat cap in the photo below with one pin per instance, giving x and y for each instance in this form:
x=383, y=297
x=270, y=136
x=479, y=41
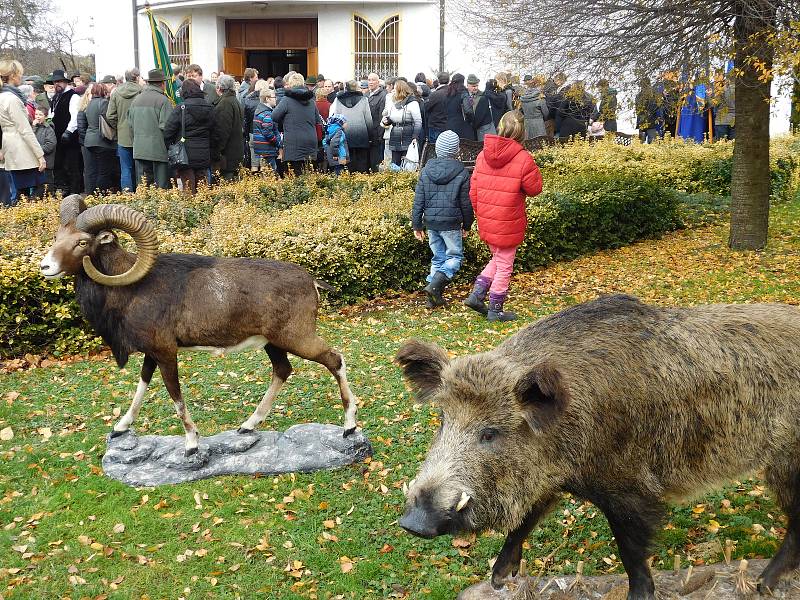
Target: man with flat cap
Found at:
x=147, y=117
x=68, y=165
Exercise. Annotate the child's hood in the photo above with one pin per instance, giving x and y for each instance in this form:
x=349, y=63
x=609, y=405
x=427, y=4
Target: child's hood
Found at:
x=443, y=170
x=333, y=128
x=498, y=151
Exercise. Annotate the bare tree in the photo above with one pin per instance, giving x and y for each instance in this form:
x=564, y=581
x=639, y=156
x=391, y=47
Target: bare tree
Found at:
x=629, y=38
x=28, y=34
x=21, y=23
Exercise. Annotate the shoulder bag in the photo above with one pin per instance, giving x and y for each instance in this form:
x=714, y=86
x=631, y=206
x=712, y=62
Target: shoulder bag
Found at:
x=176, y=153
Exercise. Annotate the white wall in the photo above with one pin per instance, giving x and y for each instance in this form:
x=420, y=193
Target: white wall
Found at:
x=418, y=21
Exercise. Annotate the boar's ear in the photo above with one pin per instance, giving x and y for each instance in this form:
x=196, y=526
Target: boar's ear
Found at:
x=543, y=395
x=422, y=365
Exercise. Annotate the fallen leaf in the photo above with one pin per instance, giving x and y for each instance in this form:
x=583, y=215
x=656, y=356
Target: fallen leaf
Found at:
x=6, y=434
x=119, y=528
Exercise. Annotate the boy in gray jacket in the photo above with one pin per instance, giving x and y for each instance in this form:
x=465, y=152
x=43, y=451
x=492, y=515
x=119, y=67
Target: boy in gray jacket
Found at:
x=46, y=136
x=442, y=207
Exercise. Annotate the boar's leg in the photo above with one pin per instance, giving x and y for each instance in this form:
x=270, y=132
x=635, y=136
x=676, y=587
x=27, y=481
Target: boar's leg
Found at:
x=784, y=479
x=508, y=560
x=633, y=519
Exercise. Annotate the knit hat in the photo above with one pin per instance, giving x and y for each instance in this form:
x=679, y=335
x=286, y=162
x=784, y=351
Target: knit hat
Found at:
x=447, y=144
x=311, y=80
x=472, y=79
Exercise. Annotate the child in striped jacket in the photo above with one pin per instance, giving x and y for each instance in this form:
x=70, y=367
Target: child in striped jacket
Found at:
x=267, y=140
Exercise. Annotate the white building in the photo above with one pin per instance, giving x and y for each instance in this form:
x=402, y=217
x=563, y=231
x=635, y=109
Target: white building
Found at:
x=338, y=38
x=341, y=39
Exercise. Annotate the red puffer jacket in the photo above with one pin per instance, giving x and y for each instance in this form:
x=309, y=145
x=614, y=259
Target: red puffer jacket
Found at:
x=504, y=174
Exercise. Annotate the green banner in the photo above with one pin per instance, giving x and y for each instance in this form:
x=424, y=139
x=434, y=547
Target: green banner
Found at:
x=161, y=58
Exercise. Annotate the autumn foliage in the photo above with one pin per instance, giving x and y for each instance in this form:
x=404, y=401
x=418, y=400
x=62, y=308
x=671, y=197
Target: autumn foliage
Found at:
x=354, y=232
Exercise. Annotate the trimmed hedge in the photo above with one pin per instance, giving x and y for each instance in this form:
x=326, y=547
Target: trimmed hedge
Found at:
x=354, y=231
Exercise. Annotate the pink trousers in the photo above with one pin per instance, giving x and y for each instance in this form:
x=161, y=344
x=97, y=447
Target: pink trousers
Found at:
x=499, y=268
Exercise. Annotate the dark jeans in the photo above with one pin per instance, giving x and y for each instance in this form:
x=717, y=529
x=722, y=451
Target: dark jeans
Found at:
x=47, y=186
x=8, y=192
x=359, y=160
x=298, y=167
x=724, y=132
x=127, y=179
x=68, y=168
x=99, y=169
x=154, y=172
x=648, y=136
x=190, y=177
x=89, y=171
x=268, y=163
x=432, y=135
x=397, y=156
x=375, y=155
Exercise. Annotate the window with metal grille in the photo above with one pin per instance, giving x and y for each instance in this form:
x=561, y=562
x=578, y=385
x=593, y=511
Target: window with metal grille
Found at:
x=177, y=43
x=379, y=51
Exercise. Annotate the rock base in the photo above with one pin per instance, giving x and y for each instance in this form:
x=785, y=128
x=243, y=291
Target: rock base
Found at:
x=153, y=460
x=709, y=582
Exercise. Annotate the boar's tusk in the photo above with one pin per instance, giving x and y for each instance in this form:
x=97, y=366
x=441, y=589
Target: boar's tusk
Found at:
x=462, y=501
x=405, y=489
x=412, y=482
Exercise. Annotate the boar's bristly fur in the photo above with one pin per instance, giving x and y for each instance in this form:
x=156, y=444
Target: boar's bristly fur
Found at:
x=624, y=404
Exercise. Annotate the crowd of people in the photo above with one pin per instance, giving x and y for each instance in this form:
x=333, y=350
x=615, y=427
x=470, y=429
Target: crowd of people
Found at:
x=72, y=134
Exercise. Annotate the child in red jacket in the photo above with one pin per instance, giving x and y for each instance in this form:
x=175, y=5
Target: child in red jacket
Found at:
x=505, y=173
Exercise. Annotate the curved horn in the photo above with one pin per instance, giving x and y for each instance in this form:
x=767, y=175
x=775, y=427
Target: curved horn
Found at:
x=132, y=222
x=71, y=207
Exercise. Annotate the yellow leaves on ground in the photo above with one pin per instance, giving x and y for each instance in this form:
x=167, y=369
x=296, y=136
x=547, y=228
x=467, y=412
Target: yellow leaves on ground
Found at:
x=346, y=564
x=6, y=434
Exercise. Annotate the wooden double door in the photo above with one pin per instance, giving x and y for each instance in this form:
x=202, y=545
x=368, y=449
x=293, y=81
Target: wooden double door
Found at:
x=273, y=46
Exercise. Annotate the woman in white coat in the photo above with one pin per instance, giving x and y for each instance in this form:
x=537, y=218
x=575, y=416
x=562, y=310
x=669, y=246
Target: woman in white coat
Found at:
x=21, y=156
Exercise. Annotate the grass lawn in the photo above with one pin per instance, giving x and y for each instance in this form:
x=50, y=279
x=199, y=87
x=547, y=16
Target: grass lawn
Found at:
x=67, y=531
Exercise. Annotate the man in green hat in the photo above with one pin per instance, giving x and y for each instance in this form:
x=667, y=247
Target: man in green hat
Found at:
x=472, y=88
x=147, y=118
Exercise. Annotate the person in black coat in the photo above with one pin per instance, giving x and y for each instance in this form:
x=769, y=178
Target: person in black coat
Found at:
x=436, y=108
x=198, y=115
x=460, y=113
x=297, y=114
x=574, y=112
x=553, y=95
x=491, y=106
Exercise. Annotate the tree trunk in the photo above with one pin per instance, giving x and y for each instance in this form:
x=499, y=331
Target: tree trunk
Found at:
x=750, y=177
x=794, y=120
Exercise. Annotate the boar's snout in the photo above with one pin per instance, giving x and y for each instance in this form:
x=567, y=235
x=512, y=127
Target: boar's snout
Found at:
x=424, y=521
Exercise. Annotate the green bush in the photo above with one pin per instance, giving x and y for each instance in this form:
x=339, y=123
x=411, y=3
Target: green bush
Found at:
x=591, y=213
x=354, y=231
x=37, y=315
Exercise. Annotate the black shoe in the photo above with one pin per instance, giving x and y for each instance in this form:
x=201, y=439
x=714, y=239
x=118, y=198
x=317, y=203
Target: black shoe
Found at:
x=435, y=288
x=496, y=312
x=475, y=302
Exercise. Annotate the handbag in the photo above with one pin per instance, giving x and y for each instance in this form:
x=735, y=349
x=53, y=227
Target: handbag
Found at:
x=176, y=153
x=107, y=132
x=410, y=161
